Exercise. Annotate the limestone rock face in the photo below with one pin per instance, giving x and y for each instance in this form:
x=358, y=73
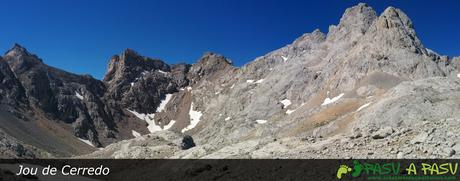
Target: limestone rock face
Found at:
x=359, y=88
x=368, y=88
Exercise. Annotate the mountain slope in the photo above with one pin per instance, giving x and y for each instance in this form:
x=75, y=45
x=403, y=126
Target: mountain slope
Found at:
x=309, y=94
x=368, y=83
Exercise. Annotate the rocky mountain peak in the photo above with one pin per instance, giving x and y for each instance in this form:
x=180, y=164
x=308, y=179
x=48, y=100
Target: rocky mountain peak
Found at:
x=396, y=18
x=354, y=22
x=130, y=65
x=20, y=59
x=213, y=58
x=307, y=39
x=208, y=65
x=395, y=29
x=17, y=50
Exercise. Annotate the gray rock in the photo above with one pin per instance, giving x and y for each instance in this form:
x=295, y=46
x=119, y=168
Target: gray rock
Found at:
x=383, y=133
x=420, y=138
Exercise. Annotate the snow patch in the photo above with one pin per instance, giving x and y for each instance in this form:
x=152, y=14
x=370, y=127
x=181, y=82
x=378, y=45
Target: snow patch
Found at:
x=260, y=121
x=189, y=88
x=363, y=106
x=79, y=96
x=149, y=118
x=163, y=72
x=250, y=81
x=132, y=84
x=135, y=134
x=260, y=81
x=163, y=103
x=284, y=58
x=194, y=119
x=290, y=111
x=286, y=103
x=227, y=118
x=233, y=85
x=458, y=75
x=169, y=125
x=328, y=100
x=87, y=142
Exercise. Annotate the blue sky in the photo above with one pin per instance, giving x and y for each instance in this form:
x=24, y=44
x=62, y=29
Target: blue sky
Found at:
x=80, y=36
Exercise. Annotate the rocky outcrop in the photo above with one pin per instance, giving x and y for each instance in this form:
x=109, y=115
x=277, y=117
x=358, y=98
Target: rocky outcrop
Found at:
x=63, y=96
x=11, y=91
x=139, y=83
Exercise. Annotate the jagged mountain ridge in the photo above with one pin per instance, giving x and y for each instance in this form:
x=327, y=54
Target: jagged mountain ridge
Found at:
x=302, y=98
x=79, y=106
x=310, y=89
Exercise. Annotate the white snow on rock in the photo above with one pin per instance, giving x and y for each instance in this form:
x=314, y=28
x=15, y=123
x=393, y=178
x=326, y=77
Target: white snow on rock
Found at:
x=363, y=106
x=260, y=81
x=284, y=58
x=328, y=100
x=290, y=111
x=286, y=103
x=86, y=141
x=227, y=118
x=194, y=119
x=149, y=118
x=163, y=103
x=260, y=121
x=232, y=86
x=79, y=96
x=135, y=134
x=458, y=75
x=154, y=127
x=163, y=72
x=250, y=81
x=169, y=125
x=189, y=88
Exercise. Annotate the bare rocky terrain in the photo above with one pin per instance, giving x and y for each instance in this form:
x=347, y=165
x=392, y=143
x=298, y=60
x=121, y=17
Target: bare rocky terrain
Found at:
x=367, y=88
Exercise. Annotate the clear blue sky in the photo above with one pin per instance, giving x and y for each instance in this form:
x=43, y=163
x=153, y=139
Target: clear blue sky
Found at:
x=80, y=36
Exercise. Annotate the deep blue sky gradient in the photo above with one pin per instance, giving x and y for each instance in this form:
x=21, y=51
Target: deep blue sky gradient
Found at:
x=80, y=36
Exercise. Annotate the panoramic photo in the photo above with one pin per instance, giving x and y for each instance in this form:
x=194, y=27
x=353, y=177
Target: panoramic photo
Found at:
x=179, y=81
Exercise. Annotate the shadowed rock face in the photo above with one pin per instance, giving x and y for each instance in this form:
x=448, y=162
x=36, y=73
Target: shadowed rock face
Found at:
x=11, y=90
x=63, y=96
x=95, y=110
